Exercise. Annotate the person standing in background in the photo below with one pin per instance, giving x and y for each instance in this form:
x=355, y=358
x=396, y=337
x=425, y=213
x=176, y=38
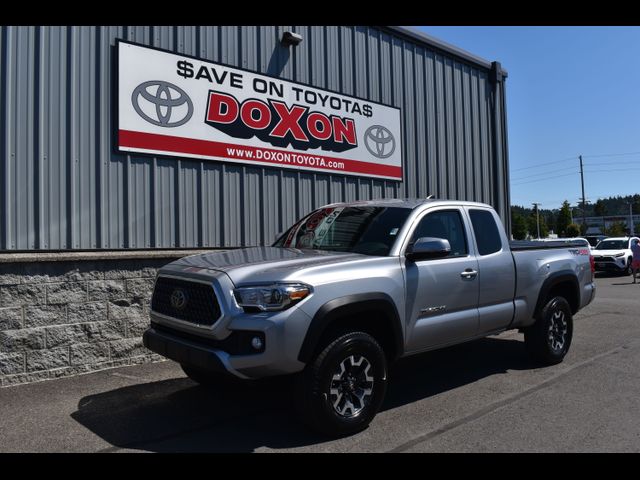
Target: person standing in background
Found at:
x=635, y=263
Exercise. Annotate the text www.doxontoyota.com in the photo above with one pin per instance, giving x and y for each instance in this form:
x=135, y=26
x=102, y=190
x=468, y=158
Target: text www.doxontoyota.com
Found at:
x=285, y=157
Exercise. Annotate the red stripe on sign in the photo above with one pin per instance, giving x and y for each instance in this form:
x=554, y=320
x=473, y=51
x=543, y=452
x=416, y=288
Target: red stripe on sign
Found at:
x=208, y=148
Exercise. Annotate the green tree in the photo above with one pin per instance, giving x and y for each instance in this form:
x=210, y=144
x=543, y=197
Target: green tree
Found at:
x=532, y=226
x=573, y=230
x=617, y=229
x=563, y=219
x=518, y=226
x=600, y=208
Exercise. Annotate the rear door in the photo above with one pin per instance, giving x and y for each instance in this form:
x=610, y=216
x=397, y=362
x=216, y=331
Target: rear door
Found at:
x=497, y=274
x=442, y=294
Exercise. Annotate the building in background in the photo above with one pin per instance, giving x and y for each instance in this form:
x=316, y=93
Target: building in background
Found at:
x=125, y=147
x=598, y=225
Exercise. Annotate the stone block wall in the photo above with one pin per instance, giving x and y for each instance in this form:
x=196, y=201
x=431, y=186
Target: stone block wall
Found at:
x=60, y=318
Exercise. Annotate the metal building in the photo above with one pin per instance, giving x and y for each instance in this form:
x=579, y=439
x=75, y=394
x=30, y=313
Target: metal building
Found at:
x=65, y=185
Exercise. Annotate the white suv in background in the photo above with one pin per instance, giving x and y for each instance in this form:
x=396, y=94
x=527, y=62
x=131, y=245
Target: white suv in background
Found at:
x=614, y=254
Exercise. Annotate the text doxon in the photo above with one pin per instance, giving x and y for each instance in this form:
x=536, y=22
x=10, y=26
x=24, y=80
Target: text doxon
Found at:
x=274, y=122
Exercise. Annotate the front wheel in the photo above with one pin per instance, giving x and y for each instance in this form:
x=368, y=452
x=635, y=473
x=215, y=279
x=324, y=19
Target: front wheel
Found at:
x=343, y=387
x=548, y=340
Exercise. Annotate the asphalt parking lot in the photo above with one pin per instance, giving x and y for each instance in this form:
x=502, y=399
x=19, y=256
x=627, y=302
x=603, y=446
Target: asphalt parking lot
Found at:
x=485, y=396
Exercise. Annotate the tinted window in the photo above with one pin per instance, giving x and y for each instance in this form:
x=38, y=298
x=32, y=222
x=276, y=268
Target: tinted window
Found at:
x=366, y=230
x=486, y=231
x=444, y=224
x=613, y=245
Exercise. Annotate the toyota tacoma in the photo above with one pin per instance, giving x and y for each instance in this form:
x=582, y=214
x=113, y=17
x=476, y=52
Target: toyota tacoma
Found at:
x=352, y=287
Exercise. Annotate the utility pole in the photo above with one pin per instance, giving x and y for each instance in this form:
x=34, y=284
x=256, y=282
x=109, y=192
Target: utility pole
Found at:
x=537, y=218
x=584, y=200
x=631, y=227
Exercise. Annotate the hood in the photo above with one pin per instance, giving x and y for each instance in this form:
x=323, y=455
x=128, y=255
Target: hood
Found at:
x=607, y=253
x=264, y=264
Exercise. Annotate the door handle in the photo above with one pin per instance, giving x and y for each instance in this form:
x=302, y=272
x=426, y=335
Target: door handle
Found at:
x=469, y=273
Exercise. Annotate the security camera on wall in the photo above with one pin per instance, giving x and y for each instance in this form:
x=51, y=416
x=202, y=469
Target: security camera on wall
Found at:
x=291, y=38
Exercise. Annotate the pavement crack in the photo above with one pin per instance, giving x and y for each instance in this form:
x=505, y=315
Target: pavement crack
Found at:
x=505, y=402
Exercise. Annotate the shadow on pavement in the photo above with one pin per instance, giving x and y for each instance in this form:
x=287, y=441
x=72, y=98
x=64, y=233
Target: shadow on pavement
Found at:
x=610, y=275
x=178, y=416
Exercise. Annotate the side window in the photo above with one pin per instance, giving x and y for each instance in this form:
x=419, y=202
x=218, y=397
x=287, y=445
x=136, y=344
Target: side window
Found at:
x=445, y=224
x=486, y=231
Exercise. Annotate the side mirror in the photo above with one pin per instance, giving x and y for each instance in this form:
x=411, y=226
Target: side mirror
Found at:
x=428, y=248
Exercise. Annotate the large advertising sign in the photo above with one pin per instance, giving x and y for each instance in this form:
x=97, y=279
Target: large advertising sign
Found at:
x=172, y=104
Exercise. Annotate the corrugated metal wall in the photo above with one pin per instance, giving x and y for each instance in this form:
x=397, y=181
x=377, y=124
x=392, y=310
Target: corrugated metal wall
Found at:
x=65, y=188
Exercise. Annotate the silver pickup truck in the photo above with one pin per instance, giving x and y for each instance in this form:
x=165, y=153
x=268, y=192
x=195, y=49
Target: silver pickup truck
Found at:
x=351, y=287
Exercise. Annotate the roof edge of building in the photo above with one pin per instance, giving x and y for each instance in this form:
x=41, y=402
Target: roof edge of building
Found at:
x=422, y=37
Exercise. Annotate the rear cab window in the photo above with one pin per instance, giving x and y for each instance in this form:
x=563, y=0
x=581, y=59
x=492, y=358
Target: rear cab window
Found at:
x=486, y=231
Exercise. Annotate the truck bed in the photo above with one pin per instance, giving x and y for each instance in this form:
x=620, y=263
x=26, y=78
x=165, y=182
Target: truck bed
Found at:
x=518, y=245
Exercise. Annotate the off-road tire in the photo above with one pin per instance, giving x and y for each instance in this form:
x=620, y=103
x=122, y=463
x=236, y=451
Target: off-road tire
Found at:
x=549, y=338
x=319, y=394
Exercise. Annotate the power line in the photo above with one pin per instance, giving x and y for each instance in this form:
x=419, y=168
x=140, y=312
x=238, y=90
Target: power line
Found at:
x=576, y=158
x=542, y=173
x=612, y=155
x=542, y=164
x=614, y=170
x=546, y=178
x=631, y=162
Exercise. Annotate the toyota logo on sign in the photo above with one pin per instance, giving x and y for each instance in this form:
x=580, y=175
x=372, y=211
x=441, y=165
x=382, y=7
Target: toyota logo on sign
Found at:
x=162, y=103
x=178, y=299
x=379, y=141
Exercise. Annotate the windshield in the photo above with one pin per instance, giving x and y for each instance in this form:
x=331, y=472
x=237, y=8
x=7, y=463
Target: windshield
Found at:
x=366, y=230
x=612, y=245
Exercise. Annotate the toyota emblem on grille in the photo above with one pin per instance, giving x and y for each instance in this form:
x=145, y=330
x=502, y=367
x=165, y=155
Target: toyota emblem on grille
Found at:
x=178, y=299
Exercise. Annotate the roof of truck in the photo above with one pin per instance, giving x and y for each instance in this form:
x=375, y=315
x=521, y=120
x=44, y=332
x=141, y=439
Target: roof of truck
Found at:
x=410, y=203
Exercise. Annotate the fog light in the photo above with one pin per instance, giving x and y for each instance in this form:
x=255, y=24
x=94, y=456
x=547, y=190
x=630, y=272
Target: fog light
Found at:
x=256, y=342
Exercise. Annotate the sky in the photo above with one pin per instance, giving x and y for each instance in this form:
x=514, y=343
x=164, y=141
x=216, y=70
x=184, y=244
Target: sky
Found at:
x=570, y=91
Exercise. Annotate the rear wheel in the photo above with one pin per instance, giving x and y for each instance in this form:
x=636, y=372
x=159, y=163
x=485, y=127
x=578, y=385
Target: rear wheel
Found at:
x=629, y=269
x=549, y=338
x=342, y=388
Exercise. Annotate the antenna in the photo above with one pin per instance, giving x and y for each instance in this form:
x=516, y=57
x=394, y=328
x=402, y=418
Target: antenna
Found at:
x=429, y=197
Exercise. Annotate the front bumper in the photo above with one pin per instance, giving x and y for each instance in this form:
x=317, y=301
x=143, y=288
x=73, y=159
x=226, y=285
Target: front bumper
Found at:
x=185, y=352
x=281, y=333
x=611, y=266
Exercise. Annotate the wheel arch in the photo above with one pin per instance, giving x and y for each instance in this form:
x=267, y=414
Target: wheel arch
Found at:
x=375, y=313
x=563, y=283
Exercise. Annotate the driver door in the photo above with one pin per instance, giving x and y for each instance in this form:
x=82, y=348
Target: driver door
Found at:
x=442, y=293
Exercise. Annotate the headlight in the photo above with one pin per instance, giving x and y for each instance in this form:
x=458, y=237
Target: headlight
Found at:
x=271, y=297
x=619, y=255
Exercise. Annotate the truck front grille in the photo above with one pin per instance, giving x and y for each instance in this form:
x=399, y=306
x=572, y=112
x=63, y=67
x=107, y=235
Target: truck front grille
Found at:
x=185, y=300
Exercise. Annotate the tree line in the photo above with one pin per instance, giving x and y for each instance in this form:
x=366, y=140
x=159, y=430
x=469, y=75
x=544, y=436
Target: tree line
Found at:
x=523, y=219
